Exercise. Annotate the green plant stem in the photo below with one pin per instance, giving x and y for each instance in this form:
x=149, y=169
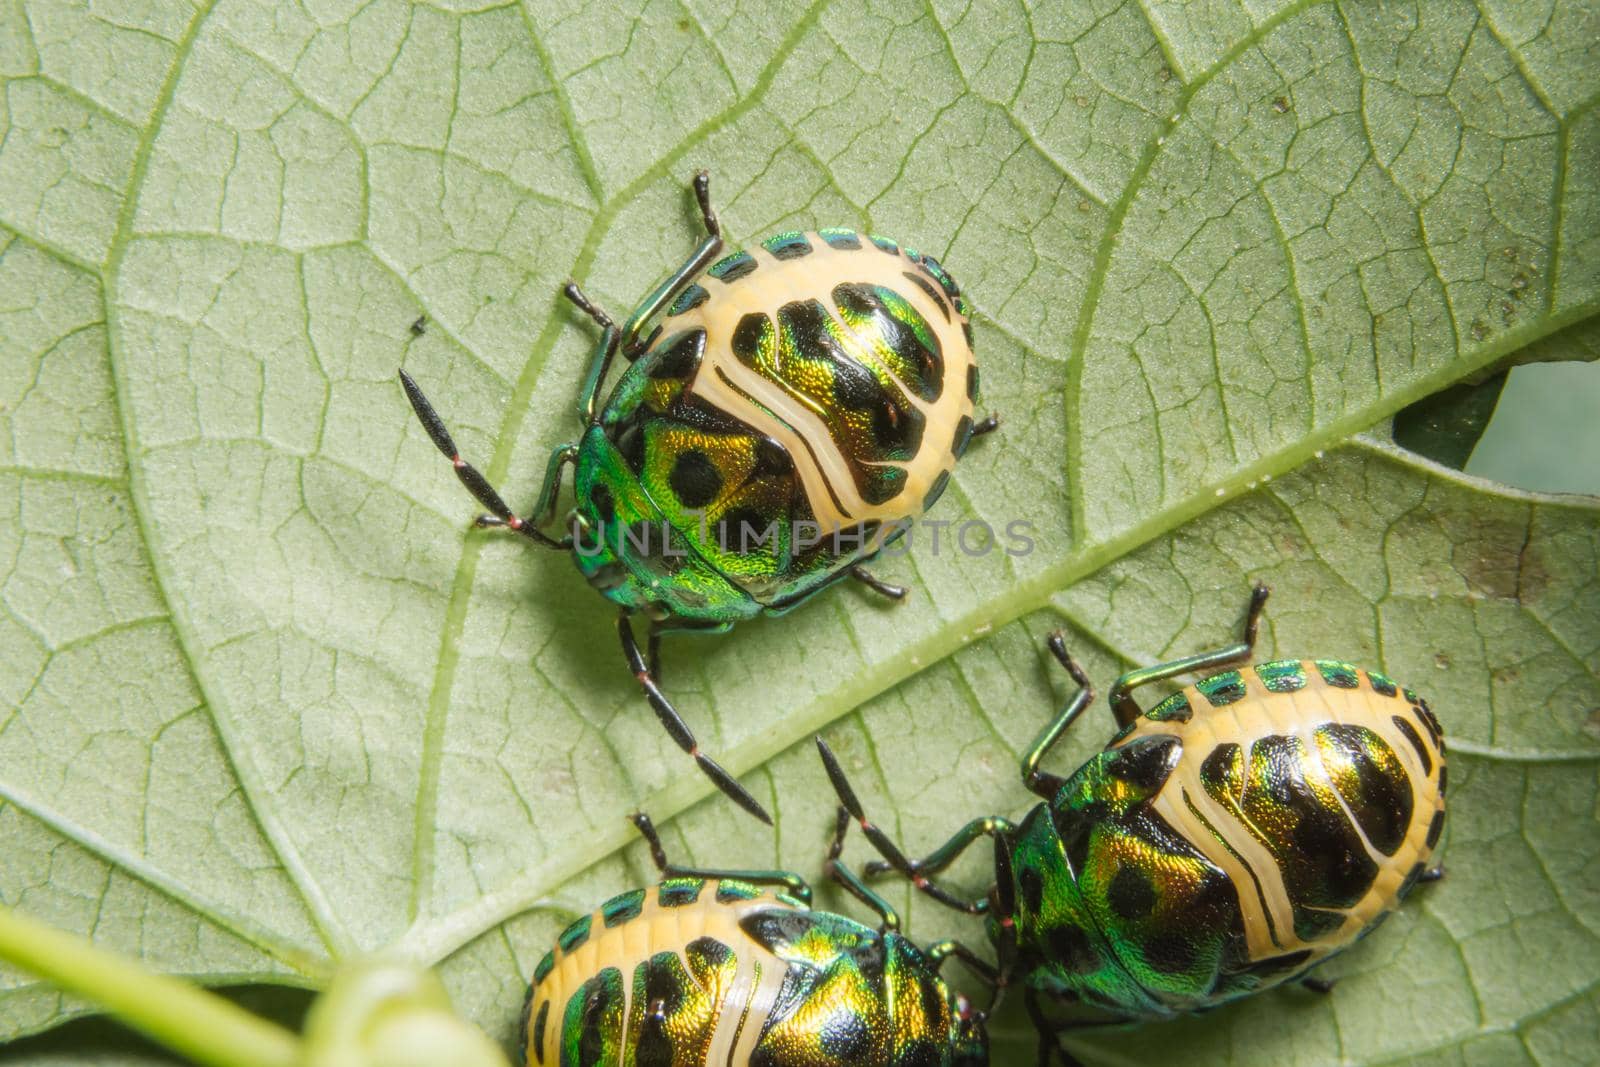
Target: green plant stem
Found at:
x=190, y=1021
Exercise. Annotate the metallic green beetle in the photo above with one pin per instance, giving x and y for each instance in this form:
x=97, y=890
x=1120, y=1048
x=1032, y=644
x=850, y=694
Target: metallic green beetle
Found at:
x=1229, y=839
x=734, y=969
x=789, y=410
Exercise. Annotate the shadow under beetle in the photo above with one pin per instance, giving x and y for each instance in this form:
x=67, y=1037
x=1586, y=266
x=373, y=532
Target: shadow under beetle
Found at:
x=1225, y=841
x=788, y=411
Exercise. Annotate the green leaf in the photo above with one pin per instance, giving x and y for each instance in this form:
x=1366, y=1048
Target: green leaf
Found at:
x=269, y=703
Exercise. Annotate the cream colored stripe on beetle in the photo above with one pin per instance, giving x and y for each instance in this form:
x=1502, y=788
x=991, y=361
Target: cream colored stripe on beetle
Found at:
x=776, y=282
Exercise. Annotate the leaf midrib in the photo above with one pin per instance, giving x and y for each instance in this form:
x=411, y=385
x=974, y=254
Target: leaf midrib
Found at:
x=435, y=940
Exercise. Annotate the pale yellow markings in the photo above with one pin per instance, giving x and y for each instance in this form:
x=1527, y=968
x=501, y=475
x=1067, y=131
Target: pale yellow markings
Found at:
x=1209, y=728
x=1298, y=714
x=753, y=991
x=776, y=282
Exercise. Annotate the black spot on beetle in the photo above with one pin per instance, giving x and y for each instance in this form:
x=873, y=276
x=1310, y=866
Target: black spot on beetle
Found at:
x=1415, y=741
x=844, y=1037
x=539, y=1024
x=1130, y=894
x=1145, y=763
x=963, y=437
x=1071, y=949
x=695, y=478
x=1435, y=828
x=680, y=358
x=1169, y=953
x=933, y=294
x=936, y=490
x=1031, y=882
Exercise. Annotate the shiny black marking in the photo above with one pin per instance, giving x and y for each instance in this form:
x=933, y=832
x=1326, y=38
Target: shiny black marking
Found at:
x=605, y=506
x=1071, y=949
x=1174, y=708
x=963, y=437
x=827, y=483
x=691, y=298
x=623, y=907
x=630, y=445
x=1130, y=894
x=695, y=478
x=1169, y=953
x=1031, y=882
x=936, y=490
x=539, y=1023
x=658, y=985
x=1435, y=828
x=1146, y=762
x=933, y=294
x=678, y=892
x=1324, y=863
x=1266, y=912
x=525, y=1019
x=844, y=1037
x=546, y=965
x=601, y=995
x=777, y=927
x=862, y=301
x=744, y=529
x=790, y=245
x=730, y=890
x=1382, y=684
x=966, y=331
x=1338, y=674
x=884, y=244
x=1282, y=676
x=1410, y=734
x=1218, y=772
x=1222, y=689
x=847, y=240
x=730, y=269
x=574, y=935
x=1443, y=773
x=1383, y=802
x=935, y=268
x=772, y=460
x=678, y=359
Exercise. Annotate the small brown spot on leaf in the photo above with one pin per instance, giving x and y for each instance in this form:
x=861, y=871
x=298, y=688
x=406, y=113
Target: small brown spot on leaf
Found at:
x=1281, y=105
x=1441, y=660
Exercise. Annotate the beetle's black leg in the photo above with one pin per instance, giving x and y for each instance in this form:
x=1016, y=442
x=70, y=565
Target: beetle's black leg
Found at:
x=678, y=729
x=988, y=424
x=470, y=476
x=1049, y=1041
x=1318, y=985
x=1121, y=696
x=660, y=627
x=887, y=848
x=604, y=351
x=635, y=336
x=1432, y=874
x=994, y=826
x=878, y=585
x=787, y=881
x=1043, y=783
x=702, y=193
x=851, y=881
